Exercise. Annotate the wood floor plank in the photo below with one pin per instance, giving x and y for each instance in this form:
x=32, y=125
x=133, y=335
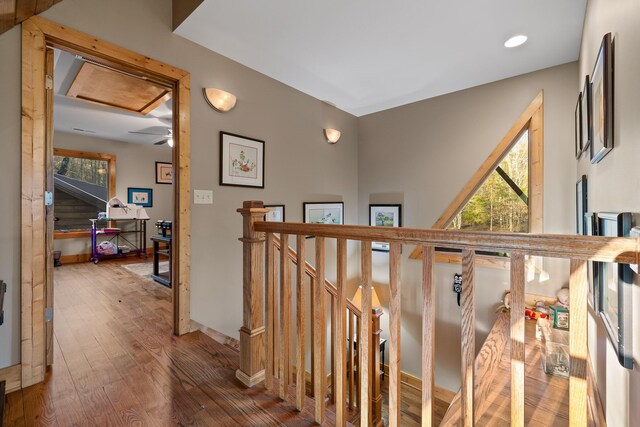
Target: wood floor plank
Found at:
x=116, y=363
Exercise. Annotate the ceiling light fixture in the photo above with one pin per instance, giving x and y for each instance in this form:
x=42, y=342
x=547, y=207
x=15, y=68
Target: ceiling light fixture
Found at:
x=515, y=41
x=332, y=135
x=219, y=100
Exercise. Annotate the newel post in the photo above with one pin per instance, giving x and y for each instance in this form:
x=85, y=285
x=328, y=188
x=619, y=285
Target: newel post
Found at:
x=252, y=351
x=376, y=391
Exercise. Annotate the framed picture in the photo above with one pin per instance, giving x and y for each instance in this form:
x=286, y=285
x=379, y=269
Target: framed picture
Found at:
x=615, y=283
x=581, y=204
x=591, y=229
x=275, y=214
x=585, y=111
x=164, y=173
x=241, y=161
x=140, y=196
x=323, y=213
x=384, y=216
x=602, y=102
x=578, y=127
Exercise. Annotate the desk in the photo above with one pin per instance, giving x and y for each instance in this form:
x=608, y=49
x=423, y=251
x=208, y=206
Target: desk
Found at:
x=139, y=232
x=162, y=278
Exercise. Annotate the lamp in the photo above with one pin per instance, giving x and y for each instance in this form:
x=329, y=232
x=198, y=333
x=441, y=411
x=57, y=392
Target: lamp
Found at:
x=357, y=298
x=332, y=135
x=219, y=100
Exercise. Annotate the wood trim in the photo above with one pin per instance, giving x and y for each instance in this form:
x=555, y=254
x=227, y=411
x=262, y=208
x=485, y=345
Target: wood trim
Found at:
x=534, y=109
x=536, y=170
x=594, y=248
x=49, y=210
x=13, y=12
x=33, y=222
x=109, y=158
x=182, y=210
x=37, y=34
x=498, y=263
x=13, y=377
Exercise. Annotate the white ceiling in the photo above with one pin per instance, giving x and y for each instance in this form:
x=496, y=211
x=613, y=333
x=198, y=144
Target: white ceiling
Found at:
x=369, y=55
x=81, y=117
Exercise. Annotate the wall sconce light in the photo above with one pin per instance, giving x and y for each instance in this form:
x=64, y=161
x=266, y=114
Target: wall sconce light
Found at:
x=219, y=100
x=332, y=135
x=357, y=298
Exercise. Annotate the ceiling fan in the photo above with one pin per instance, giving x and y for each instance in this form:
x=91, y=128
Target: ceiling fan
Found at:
x=167, y=133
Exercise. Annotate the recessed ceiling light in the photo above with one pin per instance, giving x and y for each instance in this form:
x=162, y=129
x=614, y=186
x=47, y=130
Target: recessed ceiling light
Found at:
x=516, y=41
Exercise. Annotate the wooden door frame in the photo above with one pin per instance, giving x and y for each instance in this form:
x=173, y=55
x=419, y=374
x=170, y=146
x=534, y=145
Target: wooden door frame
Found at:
x=37, y=34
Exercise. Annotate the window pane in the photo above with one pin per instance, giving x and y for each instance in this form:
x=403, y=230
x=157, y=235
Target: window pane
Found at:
x=81, y=188
x=496, y=206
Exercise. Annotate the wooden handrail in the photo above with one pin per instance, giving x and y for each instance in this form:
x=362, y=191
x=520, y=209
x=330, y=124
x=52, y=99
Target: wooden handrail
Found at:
x=353, y=369
x=592, y=248
x=311, y=272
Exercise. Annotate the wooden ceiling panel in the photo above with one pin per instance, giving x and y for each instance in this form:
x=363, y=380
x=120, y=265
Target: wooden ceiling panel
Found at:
x=104, y=86
x=14, y=12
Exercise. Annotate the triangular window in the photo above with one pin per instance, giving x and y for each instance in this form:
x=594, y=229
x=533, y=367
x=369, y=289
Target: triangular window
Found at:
x=501, y=203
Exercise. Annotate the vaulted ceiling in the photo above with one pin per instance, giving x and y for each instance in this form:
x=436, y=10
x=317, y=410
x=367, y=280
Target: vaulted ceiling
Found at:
x=369, y=55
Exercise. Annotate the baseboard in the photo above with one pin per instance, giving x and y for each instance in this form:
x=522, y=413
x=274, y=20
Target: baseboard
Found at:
x=215, y=335
x=13, y=376
x=415, y=382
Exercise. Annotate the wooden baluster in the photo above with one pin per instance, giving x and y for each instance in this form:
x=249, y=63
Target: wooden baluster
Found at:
x=374, y=369
x=351, y=372
x=332, y=341
x=394, y=334
x=270, y=311
x=517, y=339
x=365, y=336
x=468, y=337
x=285, y=316
x=356, y=350
x=312, y=330
x=428, y=336
x=320, y=334
x=252, y=346
x=578, y=343
x=340, y=338
x=301, y=323
x=276, y=313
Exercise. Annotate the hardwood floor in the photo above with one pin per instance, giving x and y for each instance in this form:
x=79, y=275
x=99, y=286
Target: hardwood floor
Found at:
x=116, y=363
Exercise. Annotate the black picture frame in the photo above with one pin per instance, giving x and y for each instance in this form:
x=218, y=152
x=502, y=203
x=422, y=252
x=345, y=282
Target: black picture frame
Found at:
x=280, y=209
x=161, y=173
x=231, y=168
x=374, y=210
x=601, y=90
x=585, y=110
x=619, y=322
x=591, y=229
x=581, y=204
x=132, y=193
x=578, y=127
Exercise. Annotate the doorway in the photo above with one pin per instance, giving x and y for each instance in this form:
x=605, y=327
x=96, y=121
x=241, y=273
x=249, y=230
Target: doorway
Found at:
x=37, y=186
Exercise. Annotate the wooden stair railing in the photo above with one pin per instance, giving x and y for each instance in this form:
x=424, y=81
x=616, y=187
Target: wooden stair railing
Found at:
x=342, y=331
x=578, y=249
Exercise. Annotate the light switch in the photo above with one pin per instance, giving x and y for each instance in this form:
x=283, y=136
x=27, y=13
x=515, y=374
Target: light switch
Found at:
x=203, y=197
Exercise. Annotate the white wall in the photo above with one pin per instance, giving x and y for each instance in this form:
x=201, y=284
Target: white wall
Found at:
x=614, y=185
x=300, y=165
x=422, y=154
x=135, y=167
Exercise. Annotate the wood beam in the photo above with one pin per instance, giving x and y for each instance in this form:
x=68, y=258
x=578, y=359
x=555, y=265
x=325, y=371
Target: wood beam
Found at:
x=182, y=9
